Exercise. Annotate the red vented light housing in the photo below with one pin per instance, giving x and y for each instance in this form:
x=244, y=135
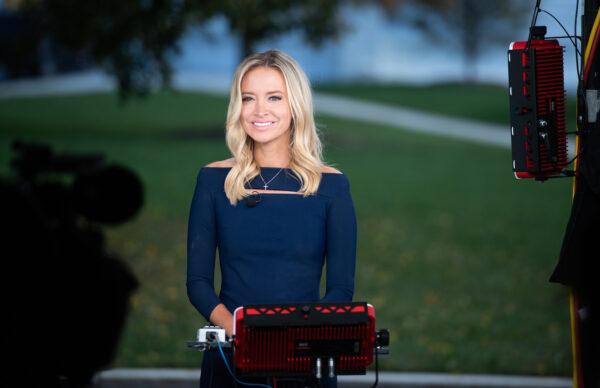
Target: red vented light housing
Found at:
x=537, y=107
x=288, y=340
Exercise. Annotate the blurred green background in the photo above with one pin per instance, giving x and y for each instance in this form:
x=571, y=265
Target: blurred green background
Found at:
x=453, y=251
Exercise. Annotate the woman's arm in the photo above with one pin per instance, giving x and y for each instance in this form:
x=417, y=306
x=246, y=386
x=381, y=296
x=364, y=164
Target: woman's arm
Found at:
x=341, y=246
x=201, y=245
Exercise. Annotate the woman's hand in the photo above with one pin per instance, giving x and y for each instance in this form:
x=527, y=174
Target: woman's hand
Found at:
x=220, y=316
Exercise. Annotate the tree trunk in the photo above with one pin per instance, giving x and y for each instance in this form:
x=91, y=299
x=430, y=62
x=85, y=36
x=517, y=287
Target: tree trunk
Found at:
x=470, y=31
x=247, y=44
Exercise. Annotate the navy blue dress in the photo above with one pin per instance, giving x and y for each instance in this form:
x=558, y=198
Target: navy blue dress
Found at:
x=272, y=252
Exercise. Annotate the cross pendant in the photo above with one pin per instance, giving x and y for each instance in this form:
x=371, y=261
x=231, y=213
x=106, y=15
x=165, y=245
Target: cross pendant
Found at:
x=266, y=187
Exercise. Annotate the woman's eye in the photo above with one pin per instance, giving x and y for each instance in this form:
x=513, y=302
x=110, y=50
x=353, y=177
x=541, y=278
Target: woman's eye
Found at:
x=275, y=98
x=247, y=98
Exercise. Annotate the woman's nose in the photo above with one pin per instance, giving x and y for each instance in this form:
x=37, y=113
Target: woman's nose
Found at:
x=260, y=108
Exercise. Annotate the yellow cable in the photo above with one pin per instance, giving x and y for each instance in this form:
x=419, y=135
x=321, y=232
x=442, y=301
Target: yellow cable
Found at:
x=588, y=47
x=574, y=339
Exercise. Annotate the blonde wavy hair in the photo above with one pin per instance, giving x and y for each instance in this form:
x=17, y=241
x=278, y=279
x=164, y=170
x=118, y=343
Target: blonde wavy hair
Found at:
x=305, y=146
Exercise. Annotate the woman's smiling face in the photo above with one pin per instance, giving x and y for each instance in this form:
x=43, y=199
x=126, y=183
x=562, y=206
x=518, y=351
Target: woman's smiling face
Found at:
x=266, y=116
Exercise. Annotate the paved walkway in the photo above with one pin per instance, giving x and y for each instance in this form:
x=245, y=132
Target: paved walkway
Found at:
x=344, y=107
x=188, y=378
x=414, y=120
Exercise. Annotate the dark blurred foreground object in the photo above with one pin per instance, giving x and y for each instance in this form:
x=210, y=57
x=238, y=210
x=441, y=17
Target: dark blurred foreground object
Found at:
x=66, y=298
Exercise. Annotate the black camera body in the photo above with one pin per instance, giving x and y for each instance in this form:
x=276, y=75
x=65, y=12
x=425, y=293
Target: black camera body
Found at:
x=67, y=298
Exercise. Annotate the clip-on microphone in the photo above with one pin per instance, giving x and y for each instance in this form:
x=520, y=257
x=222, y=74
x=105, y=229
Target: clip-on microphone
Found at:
x=252, y=200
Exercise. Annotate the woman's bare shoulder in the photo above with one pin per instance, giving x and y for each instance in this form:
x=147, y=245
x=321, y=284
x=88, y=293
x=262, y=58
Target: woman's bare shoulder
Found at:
x=330, y=170
x=222, y=163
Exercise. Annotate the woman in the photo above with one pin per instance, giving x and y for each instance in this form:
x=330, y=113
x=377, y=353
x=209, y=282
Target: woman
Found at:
x=274, y=210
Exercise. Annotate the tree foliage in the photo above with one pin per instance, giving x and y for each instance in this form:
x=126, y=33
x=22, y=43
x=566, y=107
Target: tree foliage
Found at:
x=137, y=39
x=255, y=20
x=469, y=25
x=134, y=40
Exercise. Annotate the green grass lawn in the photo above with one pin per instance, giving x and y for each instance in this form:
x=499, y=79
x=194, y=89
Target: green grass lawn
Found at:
x=453, y=252
x=473, y=101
